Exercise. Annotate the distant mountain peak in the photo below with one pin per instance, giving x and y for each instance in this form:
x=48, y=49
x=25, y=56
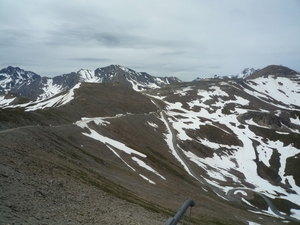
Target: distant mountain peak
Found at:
x=276, y=70
x=13, y=79
x=17, y=72
x=246, y=73
x=242, y=75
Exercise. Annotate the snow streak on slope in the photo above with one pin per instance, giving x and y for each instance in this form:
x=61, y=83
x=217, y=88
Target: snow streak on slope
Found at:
x=89, y=76
x=116, y=146
x=50, y=89
x=55, y=101
x=4, y=102
x=144, y=165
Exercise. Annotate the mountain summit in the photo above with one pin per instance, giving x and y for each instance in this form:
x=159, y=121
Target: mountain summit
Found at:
x=116, y=73
x=276, y=70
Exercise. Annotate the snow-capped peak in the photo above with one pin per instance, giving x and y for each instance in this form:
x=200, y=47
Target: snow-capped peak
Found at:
x=17, y=73
x=246, y=73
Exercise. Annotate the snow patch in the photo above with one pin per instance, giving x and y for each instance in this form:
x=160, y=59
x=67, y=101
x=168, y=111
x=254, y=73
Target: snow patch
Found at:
x=53, y=102
x=154, y=125
x=147, y=179
x=144, y=165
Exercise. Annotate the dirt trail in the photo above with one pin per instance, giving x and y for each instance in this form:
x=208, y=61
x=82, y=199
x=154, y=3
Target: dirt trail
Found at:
x=179, y=151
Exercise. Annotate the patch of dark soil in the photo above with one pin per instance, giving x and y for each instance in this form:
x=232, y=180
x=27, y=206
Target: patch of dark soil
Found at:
x=284, y=205
x=106, y=99
x=197, y=148
x=259, y=202
x=269, y=134
x=266, y=119
x=214, y=134
x=268, y=173
x=293, y=168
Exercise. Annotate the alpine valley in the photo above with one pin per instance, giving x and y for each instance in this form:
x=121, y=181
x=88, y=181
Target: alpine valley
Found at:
x=116, y=146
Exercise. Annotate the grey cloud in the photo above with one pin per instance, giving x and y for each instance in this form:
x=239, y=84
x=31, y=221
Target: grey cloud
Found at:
x=87, y=59
x=173, y=53
x=214, y=67
x=10, y=37
x=127, y=40
x=86, y=36
x=108, y=39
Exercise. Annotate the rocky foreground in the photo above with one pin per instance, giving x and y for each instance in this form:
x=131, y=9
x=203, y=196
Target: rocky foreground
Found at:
x=45, y=194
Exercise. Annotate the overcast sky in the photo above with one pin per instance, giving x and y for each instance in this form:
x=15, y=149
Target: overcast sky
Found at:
x=182, y=38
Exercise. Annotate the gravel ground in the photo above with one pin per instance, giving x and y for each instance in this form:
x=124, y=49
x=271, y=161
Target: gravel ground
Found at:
x=44, y=194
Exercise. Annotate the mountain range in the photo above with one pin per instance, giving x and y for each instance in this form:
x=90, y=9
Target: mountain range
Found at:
x=36, y=87
x=116, y=146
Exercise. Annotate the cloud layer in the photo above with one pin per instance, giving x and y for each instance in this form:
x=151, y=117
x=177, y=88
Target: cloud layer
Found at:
x=187, y=39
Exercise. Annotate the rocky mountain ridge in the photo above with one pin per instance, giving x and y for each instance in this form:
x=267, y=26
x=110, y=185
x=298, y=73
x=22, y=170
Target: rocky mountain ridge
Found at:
x=30, y=85
x=242, y=75
x=232, y=145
